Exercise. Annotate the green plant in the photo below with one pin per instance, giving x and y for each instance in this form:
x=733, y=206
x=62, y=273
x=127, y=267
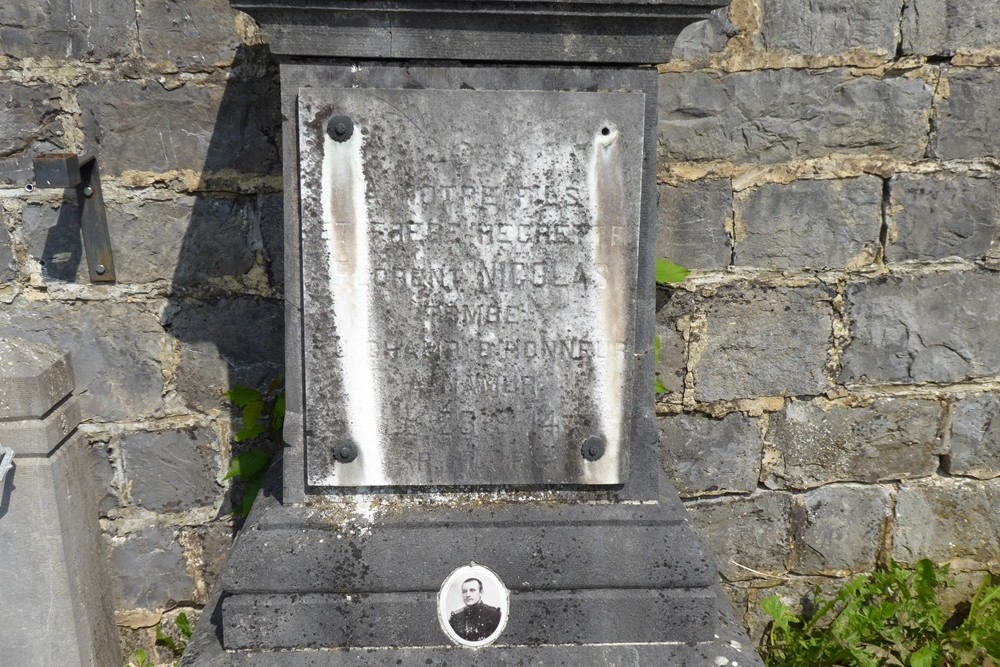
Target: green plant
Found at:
x=142, y=658
x=889, y=617
x=176, y=645
x=667, y=273
x=263, y=416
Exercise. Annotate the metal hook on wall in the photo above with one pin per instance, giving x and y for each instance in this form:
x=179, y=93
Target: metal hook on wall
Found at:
x=67, y=170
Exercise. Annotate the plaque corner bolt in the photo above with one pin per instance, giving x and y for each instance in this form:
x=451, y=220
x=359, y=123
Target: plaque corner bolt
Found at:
x=593, y=448
x=70, y=170
x=340, y=128
x=345, y=452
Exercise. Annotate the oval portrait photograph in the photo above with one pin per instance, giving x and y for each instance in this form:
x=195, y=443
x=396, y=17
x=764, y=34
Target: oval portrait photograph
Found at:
x=473, y=605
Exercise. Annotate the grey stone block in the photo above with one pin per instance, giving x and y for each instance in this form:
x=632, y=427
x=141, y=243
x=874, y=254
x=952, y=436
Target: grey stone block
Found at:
x=151, y=570
x=195, y=34
x=102, y=477
x=930, y=328
x=233, y=341
x=8, y=270
x=704, y=455
x=34, y=378
x=809, y=224
x=942, y=27
x=964, y=127
x=56, y=609
x=820, y=28
x=90, y=30
x=975, y=437
x=198, y=128
x=776, y=115
x=947, y=520
x=38, y=437
x=189, y=240
x=692, y=220
x=944, y=215
x=273, y=234
x=730, y=646
x=169, y=471
x=29, y=119
x=116, y=351
x=817, y=444
x=410, y=619
x=749, y=532
x=673, y=356
x=764, y=343
x=842, y=529
x=703, y=38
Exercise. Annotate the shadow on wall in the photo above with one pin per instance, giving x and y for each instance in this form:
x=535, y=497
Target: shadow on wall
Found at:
x=217, y=242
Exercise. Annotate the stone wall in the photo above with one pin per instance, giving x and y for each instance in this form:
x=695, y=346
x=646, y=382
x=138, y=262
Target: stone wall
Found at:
x=829, y=169
x=831, y=173
x=180, y=101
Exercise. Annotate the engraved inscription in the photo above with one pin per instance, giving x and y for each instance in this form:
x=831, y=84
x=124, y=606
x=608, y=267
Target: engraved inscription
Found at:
x=469, y=268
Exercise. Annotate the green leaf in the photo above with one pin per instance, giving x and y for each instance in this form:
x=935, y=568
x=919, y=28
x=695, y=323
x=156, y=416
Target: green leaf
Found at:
x=656, y=349
x=278, y=413
x=249, y=432
x=241, y=396
x=924, y=656
x=163, y=640
x=659, y=388
x=668, y=273
x=183, y=625
x=249, y=494
x=248, y=464
x=141, y=658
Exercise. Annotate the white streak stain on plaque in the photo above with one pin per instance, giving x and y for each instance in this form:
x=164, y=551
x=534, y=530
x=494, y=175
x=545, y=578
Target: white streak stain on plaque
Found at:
x=606, y=187
x=345, y=233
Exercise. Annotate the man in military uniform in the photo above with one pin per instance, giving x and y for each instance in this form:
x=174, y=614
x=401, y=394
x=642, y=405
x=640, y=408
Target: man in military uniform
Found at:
x=476, y=621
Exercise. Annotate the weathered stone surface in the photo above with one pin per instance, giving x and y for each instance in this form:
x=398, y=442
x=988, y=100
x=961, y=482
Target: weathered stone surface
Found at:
x=102, y=475
x=702, y=455
x=842, y=528
x=702, y=38
x=929, y=328
x=273, y=233
x=764, y=343
x=776, y=115
x=947, y=520
x=150, y=570
x=193, y=34
x=975, y=437
x=168, y=471
x=673, y=354
x=692, y=223
x=964, y=128
x=752, y=532
x=188, y=241
x=233, y=341
x=216, y=541
x=29, y=120
x=816, y=443
x=33, y=378
x=199, y=128
x=811, y=224
x=942, y=27
x=89, y=30
x=500, y=259
x=8, y=270
x=834, y=26
x=117, y=351
x=944, y=215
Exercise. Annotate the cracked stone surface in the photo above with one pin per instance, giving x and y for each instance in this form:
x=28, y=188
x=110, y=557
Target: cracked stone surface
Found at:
x=927, y=328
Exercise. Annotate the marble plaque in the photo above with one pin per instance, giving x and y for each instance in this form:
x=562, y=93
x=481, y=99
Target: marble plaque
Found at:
x=469, y=281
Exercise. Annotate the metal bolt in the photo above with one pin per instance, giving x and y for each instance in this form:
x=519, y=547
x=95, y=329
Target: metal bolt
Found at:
x=345, y=451
x=29, y=186
x=88, y=191
x=593, y=448
x=340, y=128
x=100, y=268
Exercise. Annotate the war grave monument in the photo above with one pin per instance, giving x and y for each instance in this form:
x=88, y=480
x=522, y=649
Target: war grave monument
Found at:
x=472, y=472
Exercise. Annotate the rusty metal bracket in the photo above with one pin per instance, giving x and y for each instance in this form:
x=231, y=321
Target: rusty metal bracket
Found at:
x=68, y=170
